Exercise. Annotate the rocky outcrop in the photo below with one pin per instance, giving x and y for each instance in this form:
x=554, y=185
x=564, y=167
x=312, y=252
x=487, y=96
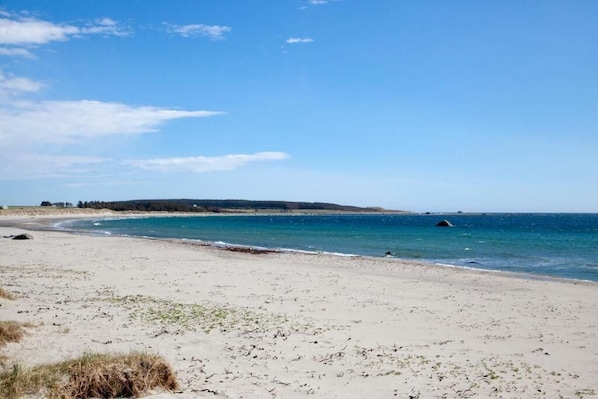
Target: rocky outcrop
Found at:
x=23, y=237
x=444, y=223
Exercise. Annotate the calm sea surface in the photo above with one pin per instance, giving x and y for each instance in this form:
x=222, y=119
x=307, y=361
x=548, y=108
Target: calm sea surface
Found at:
x=560, y=245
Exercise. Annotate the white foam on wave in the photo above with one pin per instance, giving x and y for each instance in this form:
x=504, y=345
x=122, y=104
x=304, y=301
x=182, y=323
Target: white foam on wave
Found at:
x=467, y=267
x=302, y=251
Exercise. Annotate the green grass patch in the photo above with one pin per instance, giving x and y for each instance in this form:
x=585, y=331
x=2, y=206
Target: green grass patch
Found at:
x=204, y=316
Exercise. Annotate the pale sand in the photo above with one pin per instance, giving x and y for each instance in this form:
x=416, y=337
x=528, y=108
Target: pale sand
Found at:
x=292, y=325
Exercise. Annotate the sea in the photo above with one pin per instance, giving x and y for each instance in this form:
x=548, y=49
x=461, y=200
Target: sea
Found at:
x=533, y=245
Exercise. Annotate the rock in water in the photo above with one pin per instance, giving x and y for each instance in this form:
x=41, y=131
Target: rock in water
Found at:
x=23, y=237
x=444, y=223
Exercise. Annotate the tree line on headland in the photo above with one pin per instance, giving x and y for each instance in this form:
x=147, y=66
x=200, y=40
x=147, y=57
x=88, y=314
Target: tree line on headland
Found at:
x=216, y=206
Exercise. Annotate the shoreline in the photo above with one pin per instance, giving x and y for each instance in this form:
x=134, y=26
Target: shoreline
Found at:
x=294, y=324
x=49, y=222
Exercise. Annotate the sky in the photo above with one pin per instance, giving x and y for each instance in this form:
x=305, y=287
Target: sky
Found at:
x=426, y=106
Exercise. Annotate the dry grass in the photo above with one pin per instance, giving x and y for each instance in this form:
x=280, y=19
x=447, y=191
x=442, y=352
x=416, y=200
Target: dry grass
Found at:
x=90, y=376
x=5, y=294
x=11, y=331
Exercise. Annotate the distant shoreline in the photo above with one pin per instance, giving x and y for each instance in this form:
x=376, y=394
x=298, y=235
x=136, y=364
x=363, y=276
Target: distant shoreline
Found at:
x=36, y=218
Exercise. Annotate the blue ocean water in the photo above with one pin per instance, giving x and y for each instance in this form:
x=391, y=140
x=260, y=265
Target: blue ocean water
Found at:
x=559, y=245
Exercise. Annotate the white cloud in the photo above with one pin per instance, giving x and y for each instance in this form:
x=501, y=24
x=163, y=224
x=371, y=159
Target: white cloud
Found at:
x=201, y=164
x=15, y=166
x=16, y=85
x=100, y=183
x=32, y=31
x=19, y=31
x=74, y=121
x=317, y=2
x=106, y=27
x=295, y=40
x=214, y=32
x=16, y=52
x=28, y=126
x=62, y=161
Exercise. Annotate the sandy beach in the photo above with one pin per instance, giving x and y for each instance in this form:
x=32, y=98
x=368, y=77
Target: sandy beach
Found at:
x=284, y=325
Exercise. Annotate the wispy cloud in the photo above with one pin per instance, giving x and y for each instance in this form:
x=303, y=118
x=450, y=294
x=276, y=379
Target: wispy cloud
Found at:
x=105, y=27
x=201, y=164
x=16, y=52
x=295, y=40
x=75, y=121
x=20, y=31
x=11, y=86
x=30, y=130
x=31, y=165
x=313, y=3
x=17, y=31
x=214, y=32
x=103, y=182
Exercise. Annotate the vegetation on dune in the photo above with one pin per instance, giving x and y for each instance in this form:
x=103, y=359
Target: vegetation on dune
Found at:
x=5, y=294
x=11, y=331
x=90, y=376
x=205, y=316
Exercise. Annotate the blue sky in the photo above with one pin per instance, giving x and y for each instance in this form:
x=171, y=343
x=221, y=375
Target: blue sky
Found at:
x=414, y=105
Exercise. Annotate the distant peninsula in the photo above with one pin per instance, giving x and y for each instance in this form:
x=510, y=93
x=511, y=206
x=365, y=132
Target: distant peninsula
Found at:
x=223, y=206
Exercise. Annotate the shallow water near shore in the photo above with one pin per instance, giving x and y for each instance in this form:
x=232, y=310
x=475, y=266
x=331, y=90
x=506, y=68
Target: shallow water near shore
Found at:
x=557, y=245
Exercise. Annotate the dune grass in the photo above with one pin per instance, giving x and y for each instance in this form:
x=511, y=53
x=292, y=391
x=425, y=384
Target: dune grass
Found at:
x=11, y=331
x=90, y=376
x=5, y=294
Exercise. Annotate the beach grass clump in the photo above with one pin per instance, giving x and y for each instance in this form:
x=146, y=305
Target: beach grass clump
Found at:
x=6, y=295
x=90, y=376
x=12, y=331
x=582, y=393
